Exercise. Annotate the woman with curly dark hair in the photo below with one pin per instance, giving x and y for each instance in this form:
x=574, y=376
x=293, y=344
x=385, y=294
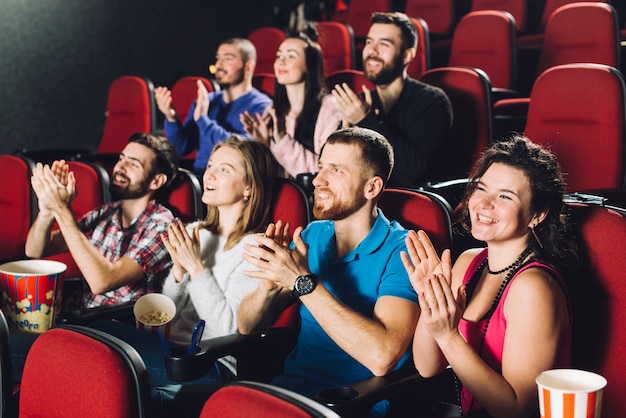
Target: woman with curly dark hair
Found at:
x=501, y=314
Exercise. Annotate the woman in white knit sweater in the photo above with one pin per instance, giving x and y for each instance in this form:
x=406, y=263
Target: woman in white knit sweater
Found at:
x=206, y=281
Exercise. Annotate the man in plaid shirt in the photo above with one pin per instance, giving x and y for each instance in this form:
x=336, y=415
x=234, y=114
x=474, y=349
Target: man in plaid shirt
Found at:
x=117, y=246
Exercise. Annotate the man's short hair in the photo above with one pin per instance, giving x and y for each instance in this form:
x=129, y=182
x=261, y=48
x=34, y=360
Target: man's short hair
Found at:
x=246, y=48
x=376, y=151
x=166, y=158
x=401, y=20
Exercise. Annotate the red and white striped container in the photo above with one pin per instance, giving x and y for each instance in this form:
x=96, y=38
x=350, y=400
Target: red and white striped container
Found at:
x=31, y=293
x=570, y=393
x=155, y=303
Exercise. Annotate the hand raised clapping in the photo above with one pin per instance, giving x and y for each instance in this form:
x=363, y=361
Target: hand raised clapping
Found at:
x=55, y=187
x=202, y=102
x=184, y=249
x=422, y=261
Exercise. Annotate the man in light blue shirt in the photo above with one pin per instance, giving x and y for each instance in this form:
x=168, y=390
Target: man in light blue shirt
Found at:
x=358, y=309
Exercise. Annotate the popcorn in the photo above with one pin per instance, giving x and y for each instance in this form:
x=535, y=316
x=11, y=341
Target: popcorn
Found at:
x=155, y=318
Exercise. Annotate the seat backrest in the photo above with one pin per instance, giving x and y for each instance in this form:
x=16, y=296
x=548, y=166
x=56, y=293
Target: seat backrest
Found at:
x=359, y=15
x=469, y=92
x=581, y=32
x=18, y=205
x=130, y=109
x=246, y=398
x=266, y=40
x=420, y=210
x=337, y=42
x=92, y=184
x=184, y=196
x=290, y=203
x=517, y=8
x=440, y=15
x=421, y=62
x=599, y=297
x=355, y=79
x=578, y=111
x=551, y=5
x=185, y=92
x=486, y=39
x=264, y=82
x=75, y=371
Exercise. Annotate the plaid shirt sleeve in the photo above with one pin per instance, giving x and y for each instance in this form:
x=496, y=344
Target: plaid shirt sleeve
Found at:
x=147, y=249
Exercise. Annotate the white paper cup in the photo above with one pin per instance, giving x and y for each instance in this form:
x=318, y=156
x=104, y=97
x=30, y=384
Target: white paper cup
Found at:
x=31, y=293
x=570, y=393
x=154, y=304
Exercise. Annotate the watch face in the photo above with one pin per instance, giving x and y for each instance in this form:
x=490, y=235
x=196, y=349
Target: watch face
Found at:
x=304, y=285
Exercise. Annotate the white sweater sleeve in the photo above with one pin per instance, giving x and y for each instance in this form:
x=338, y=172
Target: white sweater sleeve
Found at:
x=214, y=295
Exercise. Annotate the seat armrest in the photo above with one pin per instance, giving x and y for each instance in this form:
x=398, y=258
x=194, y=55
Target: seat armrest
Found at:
x=123, y=312
x=247, y=349
x=404, y=385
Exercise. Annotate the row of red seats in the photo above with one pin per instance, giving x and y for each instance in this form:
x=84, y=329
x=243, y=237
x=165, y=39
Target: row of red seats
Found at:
x=442, y=16
x=119, y=375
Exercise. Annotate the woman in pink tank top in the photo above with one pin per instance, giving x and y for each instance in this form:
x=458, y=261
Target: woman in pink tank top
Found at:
x=500, y=315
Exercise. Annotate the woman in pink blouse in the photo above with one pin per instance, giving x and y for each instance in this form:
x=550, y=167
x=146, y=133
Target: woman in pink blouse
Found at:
x=303, y=114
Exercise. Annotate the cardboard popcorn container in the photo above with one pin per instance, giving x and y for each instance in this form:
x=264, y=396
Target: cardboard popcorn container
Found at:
x=31, y=293
x=570, y=393
x=153, y=312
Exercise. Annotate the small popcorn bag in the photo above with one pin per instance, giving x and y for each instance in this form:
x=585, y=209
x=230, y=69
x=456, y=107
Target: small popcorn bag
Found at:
x=31, y=293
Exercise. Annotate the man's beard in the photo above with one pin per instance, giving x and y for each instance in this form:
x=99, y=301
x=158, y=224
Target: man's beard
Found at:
x=388, y=73
x=238, y=80
x=339, y=210
x=130, y=191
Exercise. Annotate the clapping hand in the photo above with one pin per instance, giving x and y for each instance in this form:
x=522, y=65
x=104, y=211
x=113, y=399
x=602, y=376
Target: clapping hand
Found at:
x=202, y=101
x=184, y=249
x=441, y=310
x=275, y=260
x=352, y=107
x=421, y=261
x=55, y=187
x=163, y=97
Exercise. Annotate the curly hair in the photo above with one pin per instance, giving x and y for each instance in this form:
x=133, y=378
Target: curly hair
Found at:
x=541, y=168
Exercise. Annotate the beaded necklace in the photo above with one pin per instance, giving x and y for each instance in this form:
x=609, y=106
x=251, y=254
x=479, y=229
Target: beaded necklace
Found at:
x=471, y=286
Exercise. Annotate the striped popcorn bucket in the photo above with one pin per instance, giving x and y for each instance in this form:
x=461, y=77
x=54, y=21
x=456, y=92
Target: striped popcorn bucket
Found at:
x=153, y=312
x=31, y=293
x=570, y=393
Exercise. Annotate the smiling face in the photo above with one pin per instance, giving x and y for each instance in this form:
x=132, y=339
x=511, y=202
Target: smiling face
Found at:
x=132, y=174
x=225, y=179
x=382, y=54
x=340, y=182
x=229, y=66
x=500, y=206
x=290, y=63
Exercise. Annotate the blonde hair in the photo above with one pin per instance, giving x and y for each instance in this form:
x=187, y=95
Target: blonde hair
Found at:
x=260, y=169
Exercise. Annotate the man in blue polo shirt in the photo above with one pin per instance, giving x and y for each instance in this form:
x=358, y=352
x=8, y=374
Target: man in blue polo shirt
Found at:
x=358, y=309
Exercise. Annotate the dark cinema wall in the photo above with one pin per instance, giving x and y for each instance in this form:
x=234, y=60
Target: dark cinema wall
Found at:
x=58, y=58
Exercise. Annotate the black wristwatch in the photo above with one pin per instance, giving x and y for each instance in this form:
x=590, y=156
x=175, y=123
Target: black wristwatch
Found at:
x=303, y=285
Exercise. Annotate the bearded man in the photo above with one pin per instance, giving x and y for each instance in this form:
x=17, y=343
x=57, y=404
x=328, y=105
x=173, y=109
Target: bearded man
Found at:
x=415, y=117
x=116, y=246
x=213, y=117
x=358, y=310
